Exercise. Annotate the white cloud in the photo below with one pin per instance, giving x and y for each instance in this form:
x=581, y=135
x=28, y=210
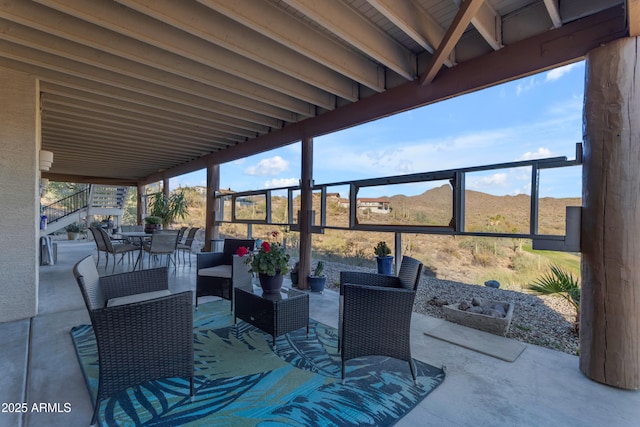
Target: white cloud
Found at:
x=281, y=182
x=497, y=179
x=526, y=86
x=557, y=73
x=540, y=153
x=268, y=167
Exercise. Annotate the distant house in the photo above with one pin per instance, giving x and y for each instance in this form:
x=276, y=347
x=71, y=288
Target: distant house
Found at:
x=375, y=205
x=343, y=203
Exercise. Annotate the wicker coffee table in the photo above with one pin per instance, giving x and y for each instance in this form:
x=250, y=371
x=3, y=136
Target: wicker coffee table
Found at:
x=275, y=314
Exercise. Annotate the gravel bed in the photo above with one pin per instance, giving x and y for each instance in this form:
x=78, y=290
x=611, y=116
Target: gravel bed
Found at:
x=544, y=321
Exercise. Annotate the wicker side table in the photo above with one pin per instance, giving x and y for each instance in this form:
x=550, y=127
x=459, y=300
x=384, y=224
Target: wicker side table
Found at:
x=275, y=314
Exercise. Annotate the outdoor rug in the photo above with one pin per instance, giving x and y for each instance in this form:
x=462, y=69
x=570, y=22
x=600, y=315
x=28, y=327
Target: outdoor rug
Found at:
x=243, y=382
x=483, y=342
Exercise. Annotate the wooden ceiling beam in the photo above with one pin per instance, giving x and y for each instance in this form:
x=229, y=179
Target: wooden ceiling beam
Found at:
x=460, y=23
x=343, y=21
x=564, y=45
x=554, y=12
x=55, y=177
x=633, y=17
x=415, y=22
x=271, y=21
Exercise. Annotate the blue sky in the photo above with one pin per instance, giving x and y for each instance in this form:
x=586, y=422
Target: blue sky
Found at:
x=535, y=117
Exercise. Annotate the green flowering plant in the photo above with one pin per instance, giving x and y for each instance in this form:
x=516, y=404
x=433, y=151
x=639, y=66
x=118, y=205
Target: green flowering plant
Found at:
x=270, y=259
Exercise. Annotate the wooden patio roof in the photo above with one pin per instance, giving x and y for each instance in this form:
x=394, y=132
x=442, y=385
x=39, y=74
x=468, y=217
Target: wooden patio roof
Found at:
x=134, y=91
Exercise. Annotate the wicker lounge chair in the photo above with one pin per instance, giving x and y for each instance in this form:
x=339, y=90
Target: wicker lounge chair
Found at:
x=143, y=332
x=219, y=272
x=375, y=313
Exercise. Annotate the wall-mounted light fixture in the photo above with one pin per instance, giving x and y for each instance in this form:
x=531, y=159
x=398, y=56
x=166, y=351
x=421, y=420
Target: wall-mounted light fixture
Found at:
x=46, y=159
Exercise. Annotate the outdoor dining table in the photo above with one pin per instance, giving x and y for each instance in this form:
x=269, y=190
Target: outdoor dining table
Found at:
x=140, y=236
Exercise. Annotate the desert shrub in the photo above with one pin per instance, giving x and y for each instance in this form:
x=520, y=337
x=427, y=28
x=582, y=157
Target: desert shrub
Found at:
x=524, y=263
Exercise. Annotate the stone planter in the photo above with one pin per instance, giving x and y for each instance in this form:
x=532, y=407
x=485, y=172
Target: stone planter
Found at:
x=483, y=322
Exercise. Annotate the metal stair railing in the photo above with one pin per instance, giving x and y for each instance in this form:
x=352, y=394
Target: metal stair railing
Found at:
x=66, y=206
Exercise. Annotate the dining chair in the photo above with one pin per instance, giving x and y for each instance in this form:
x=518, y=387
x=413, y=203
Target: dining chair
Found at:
x=186, y=246
x=100, y=245
x=115, y=249
x=163, y=243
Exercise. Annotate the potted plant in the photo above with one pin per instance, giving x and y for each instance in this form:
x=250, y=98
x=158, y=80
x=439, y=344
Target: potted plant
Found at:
x=294, y=273
x=152, y=223
x=169, y=208
x=383, y=258
x=72, y=231
x=271, y=262
x=317, y=279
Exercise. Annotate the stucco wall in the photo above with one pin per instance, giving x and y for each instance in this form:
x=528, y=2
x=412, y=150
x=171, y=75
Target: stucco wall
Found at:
x=19, y=207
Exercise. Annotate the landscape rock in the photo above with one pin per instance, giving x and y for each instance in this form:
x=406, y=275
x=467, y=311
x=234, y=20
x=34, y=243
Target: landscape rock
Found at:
x=438, y=302
x=491, y=312
x=476, y=309
x=492, y=284
x=464, y=305
x=477, y=301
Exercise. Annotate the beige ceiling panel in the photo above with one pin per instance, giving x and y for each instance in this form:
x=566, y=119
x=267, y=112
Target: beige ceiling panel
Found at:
x=275, y=23
x=81, y=32
x=218, y=29
x=53, y=102
x=121, y=20
x=554, y=12
x=104, y=61
x=359, y=32
x=95, y=102
x=76, y=69
x=54, y=111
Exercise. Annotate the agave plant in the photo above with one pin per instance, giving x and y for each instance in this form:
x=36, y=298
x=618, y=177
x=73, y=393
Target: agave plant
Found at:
x=562, y=284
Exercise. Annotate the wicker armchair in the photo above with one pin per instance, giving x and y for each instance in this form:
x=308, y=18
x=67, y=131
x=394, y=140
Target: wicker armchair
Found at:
x=375, y=313
x=219, y=272
x=143, y=332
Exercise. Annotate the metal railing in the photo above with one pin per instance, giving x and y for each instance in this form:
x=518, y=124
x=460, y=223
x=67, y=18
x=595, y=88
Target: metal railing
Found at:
x=260, y=203
x=67, y=206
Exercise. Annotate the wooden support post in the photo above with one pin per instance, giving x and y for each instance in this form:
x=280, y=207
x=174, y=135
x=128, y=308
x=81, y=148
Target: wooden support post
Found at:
x=212, y=206
x=306, y=211
x=610, y=301
x=141, y=210
x=165, y=187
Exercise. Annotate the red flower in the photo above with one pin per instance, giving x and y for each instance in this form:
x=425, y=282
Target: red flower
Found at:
x=242, y=251
x=266, y=246
x=274, y=234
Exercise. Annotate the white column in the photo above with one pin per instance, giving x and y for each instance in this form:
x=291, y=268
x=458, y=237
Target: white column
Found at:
x=20, y=195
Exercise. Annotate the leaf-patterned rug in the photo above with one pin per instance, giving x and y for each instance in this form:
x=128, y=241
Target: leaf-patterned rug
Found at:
x=241, y=381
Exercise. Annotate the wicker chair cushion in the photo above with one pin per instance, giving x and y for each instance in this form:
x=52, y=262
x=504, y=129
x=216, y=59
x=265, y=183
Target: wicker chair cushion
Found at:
x=217, y=271
x=137, y=298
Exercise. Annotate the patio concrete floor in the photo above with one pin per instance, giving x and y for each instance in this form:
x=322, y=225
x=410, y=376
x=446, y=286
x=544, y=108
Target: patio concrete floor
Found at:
x=541, y=388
